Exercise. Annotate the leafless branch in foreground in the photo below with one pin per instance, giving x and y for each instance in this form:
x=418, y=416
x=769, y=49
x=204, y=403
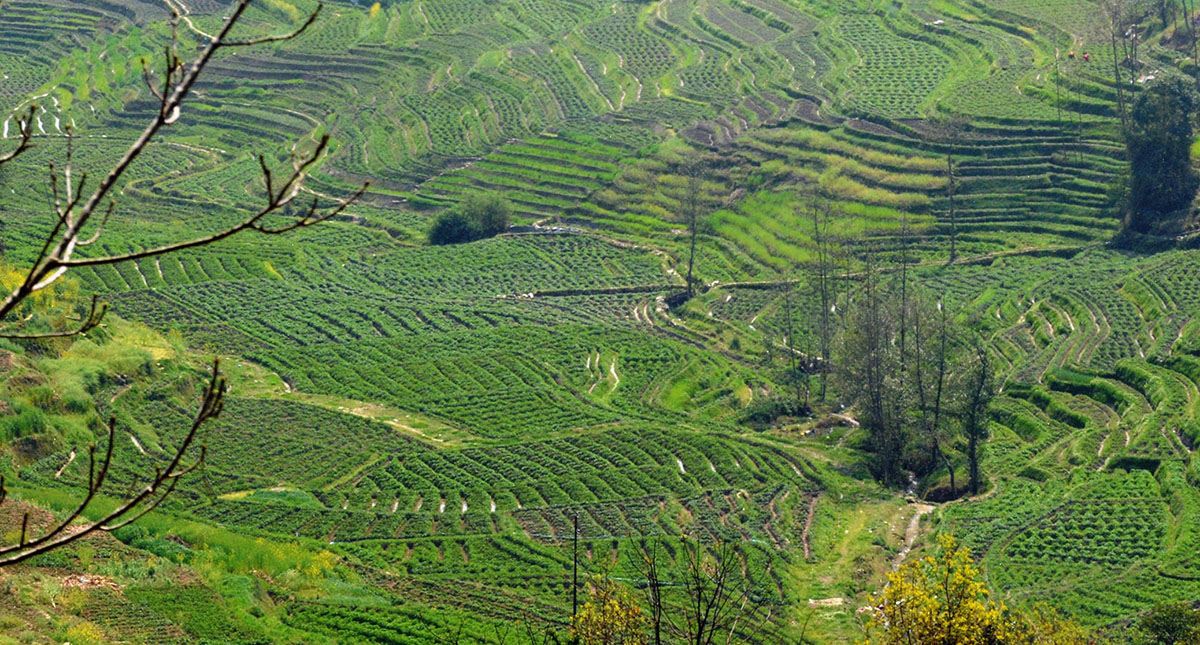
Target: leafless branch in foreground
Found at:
x=144, y=501
x=76, y=210
x=25, y=131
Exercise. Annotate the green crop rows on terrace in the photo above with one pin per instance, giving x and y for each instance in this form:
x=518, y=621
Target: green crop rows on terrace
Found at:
x=517, y=384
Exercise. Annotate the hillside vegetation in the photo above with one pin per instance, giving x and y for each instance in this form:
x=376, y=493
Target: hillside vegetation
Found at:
x=414, y=431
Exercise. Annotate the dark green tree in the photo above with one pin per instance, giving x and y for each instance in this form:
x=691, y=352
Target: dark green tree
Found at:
x=1170, y=624
x=1159, y=139
x=451, y=227
x=868, y=371
x=479, y=216
x=488, y=214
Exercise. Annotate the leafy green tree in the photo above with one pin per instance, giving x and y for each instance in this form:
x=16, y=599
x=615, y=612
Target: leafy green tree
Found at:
x=980, y=388
x=479, y=216
x=451, y=227
x=1170, y=624
x=488, y=213
x=1158, y=141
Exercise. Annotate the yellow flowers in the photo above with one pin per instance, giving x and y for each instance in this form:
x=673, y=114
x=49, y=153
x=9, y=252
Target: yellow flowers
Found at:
x=11, y=278
x=943, y=601
x=375, y=9
x=609, y=617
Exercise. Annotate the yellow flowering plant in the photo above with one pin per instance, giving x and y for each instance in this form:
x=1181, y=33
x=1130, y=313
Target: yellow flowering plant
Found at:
x=942, y=600
x=610, y=616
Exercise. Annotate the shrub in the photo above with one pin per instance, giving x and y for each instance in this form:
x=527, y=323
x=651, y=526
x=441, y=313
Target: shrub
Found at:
x=488, y=214
x=450, y=227
x=762, y=413
x=943, y=599
x=1170, y=623
x=24, y=421
x=478, y=217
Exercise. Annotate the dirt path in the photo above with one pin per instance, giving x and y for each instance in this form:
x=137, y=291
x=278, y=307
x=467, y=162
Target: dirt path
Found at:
x=70, y=459
x=119, y=393
x=812, y=510
x=911, y=533
x=183, y=13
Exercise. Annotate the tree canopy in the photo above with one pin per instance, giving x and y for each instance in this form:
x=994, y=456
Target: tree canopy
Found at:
x=1159, y=141
x=942, y=600
x=479, y=216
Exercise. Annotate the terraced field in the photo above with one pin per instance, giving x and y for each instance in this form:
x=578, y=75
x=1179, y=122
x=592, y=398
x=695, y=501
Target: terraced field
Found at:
x=438, y=418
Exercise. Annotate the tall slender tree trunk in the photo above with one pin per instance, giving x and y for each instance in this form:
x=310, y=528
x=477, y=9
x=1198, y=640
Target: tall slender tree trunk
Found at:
x=953, y=214
x=789, y=340
x=937, y=449
x=1117, y=76
x=976, y=416
x=1057, y=90
x=973, y=461
x=1190, y=8
x=937, y=401
x=823, y=270
x=903, y=290
x=1078, y=130
x=692, y=215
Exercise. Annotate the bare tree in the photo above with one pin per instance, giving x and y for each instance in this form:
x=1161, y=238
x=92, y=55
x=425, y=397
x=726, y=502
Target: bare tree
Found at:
x=695, y=184
x=980, y=391
x=939, y=389
x=713, y=601
x=797, y=373
x=1116, y=16
x=79, y=217
x=904, y=234
x=868, y=370
x=951, y=131
x=952, y=210
x=451, y=633
x=820, y=212
x=1057, y=88
x=1189, y=10
x=650, y=568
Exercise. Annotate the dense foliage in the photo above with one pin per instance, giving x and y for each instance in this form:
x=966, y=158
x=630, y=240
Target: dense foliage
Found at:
x=415, y=429
x=1162, y=178
x=943, y=599
x=477, y=217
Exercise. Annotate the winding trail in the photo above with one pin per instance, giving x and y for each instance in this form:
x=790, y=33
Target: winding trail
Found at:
x=183, y=10
x=70, y=459
x=812, y=510
x=911, y=533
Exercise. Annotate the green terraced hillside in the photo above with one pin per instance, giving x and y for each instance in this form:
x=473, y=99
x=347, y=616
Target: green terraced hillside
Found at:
x=413, y=431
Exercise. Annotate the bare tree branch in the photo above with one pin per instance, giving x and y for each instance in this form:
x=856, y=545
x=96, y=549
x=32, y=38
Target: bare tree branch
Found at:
x=94, y=316
x=274, y=39
x=279, y=199
x=25, y=129
x=146, y=500
x=178, y=79
x=74, y=210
